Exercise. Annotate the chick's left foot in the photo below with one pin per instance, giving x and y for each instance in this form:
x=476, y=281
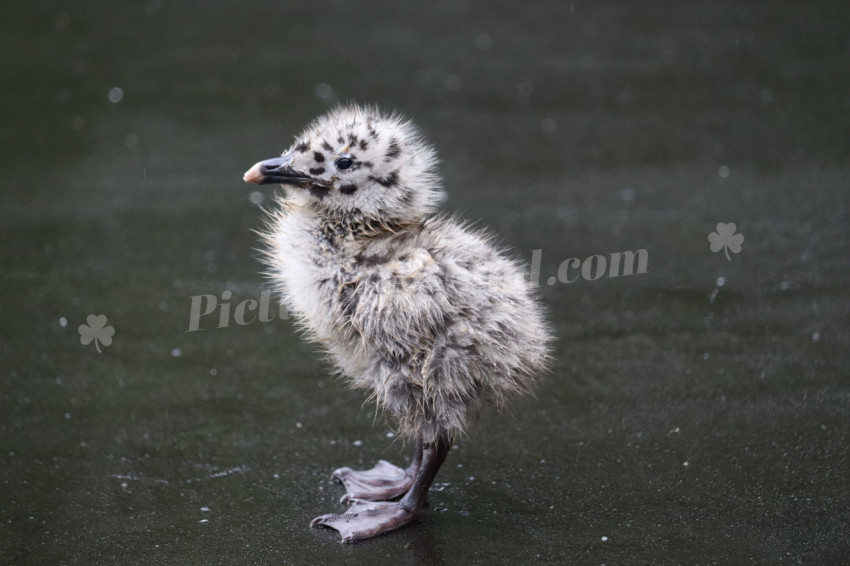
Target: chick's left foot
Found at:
x=384, y=482
x=366, y=519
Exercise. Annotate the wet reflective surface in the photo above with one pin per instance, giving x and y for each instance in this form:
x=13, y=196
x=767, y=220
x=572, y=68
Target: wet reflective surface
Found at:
x=696, y=413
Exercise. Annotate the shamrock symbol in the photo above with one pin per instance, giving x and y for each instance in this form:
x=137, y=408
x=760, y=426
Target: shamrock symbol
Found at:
x=96, y=330
x=726, y=239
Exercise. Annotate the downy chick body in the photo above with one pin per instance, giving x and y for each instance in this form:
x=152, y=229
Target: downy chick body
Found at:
x=418, y=309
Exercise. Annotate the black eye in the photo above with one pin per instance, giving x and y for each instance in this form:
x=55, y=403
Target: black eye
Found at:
x=343, y=163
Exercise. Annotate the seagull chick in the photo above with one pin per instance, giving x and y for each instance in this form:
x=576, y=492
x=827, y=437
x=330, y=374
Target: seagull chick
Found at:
x=416, y=308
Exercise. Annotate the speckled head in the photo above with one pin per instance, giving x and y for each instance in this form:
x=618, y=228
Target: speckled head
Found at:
x=357, y=160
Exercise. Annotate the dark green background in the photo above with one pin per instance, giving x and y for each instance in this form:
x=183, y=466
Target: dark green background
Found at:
x=684, y=430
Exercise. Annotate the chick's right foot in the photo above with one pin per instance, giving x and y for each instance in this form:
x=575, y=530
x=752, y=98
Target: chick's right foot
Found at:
x=366, y=519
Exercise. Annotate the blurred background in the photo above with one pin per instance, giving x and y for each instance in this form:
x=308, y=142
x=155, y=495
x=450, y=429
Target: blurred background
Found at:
x=696, y=413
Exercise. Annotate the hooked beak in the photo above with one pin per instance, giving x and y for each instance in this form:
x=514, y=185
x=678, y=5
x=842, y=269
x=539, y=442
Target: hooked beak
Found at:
x=276, y=170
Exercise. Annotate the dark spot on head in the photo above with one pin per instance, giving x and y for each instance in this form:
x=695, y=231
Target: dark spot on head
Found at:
x=388, y=181
x=340, y=139
x=352, y=138
x=318, y=157
x=367, y=164
x=348, y=189
x=302, y=147
x=364, y=143
x=393, y=150
x=317, y=170
x=319, y=191
x=327, y=146
x=373, y=133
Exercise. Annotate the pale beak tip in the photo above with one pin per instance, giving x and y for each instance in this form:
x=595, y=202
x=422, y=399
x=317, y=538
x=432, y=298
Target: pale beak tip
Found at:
x=253, y=175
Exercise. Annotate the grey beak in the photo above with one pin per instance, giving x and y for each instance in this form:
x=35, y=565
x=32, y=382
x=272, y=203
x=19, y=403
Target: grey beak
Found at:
x=276, y=170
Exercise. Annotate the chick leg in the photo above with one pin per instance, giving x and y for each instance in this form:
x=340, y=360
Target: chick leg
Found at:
x=367, y=519
x=384, y=482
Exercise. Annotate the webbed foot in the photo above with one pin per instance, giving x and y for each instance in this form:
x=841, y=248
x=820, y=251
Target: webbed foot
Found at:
x=366, y=519
x=384, y=482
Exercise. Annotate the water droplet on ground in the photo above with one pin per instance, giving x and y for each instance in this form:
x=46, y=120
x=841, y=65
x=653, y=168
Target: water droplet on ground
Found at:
x=116, y=95
x=324, y=91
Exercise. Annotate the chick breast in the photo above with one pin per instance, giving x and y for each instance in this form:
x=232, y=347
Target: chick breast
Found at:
x=433, y=320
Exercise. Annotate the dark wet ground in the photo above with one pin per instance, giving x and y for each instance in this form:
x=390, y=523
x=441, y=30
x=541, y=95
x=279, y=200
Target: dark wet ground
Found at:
x=684, y=422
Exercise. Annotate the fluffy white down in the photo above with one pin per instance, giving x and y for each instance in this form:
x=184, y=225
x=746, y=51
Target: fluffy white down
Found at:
x=418, y=309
